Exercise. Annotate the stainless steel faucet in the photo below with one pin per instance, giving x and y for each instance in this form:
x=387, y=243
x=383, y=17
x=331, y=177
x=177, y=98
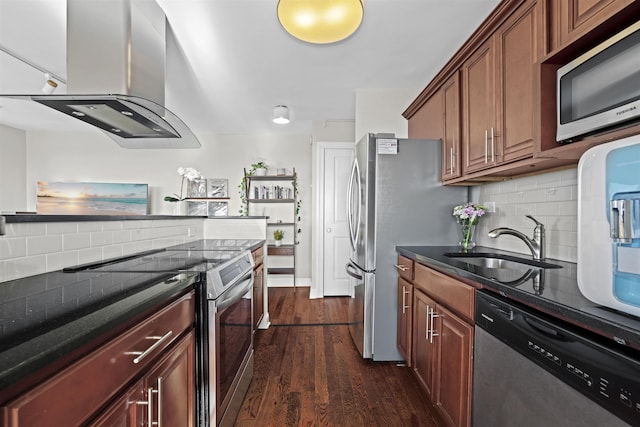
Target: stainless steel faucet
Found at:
x=536, y=244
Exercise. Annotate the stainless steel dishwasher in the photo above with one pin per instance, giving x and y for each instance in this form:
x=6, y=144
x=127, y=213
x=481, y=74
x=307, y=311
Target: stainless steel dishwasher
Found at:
x=530, y=370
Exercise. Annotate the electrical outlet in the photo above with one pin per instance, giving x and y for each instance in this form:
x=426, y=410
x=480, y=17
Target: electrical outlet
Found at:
x=490, y=207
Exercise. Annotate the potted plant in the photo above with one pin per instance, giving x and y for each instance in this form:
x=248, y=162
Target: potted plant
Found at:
x=188, y=174
x=278, y=235
x=259, y=169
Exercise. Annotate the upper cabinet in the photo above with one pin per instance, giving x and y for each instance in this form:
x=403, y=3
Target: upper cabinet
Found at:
x=493, y=104
x=574, y=18
x=498, y=91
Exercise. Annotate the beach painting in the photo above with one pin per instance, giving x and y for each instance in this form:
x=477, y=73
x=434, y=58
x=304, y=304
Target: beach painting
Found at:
x=91, y=198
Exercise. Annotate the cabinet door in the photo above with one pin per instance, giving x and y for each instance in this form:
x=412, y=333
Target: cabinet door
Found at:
x=170, y=386
x=574, y=18
x=451, y=138
x=478, y=110
x=424, y=347
x=258, y=295
x=520, y=43
x=127, y=411
x=454, y=364
x=405, y=301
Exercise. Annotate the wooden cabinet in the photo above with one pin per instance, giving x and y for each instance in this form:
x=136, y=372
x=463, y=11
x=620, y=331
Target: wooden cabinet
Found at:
x=158, y=349
x=443, y=342
x=572, y=19
x=478, y=110
x=405, y=307
x=498, y=91
x=258, y=286
x=451, y=136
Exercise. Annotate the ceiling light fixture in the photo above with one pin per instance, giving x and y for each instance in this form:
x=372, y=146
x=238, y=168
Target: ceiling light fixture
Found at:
x=281, y=114
x=320, y=21
x=49, y=85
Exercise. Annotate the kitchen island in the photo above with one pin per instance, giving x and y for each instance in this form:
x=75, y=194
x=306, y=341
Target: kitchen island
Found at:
x=59, y=323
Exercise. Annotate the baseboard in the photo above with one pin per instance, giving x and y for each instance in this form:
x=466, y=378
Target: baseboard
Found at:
x=287, y=282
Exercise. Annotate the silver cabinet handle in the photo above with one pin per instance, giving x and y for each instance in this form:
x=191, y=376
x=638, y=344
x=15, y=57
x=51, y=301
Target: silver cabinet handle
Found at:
x=402, y=267
x=426, y=334
x=486, y=146
x=142, y=354
x=451, y=157
x=433, y=315
x=159, y=400
x=404, y=299
x=493, y=146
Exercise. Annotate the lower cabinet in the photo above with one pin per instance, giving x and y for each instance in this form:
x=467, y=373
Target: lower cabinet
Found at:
x=145, y=376
x=405, y=303
x=442, y=342
x=164, y=397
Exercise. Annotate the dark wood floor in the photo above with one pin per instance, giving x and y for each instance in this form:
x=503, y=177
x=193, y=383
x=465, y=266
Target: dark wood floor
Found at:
x=308, y=372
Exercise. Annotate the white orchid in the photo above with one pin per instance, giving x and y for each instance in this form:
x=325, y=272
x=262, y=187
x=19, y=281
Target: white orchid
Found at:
x=189, y=174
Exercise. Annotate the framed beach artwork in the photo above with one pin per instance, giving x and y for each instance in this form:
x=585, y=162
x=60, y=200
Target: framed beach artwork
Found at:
x=91, y=198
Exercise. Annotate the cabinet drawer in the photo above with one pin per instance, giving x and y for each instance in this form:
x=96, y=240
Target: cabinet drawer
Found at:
x=77, y=392
x=405, y=268
x=456, y=295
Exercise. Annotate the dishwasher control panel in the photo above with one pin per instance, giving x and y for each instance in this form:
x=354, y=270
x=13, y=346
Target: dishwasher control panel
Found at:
x=597, y=370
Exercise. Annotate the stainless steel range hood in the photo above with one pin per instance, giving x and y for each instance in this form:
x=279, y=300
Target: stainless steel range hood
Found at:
x=116, y=52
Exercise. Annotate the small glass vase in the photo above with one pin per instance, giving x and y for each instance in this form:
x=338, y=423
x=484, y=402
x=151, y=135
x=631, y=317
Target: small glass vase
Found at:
x=467, y=230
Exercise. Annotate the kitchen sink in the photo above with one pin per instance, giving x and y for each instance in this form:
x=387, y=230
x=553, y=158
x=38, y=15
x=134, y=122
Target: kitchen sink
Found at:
x=499, y=261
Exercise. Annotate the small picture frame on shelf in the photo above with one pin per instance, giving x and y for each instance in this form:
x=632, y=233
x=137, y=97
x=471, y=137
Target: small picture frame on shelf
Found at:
x=197, y=188
x=218, y=209
x=217, y=187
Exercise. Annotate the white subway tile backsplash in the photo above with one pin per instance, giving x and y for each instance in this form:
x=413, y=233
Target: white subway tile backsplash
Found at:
x=37, y=245
x=551, y=198
x=61, y=227
x=59, y=260
x=101, y=238
x=26, y=266
x=76, y=241
x=33, y=248
x=13, y=247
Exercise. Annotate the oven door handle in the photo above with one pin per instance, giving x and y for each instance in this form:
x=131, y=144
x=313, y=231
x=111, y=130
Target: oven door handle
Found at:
x=235, y=294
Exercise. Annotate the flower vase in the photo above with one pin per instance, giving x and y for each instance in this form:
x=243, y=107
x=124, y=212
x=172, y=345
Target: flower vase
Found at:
x=180, y=208
x=278, y=242
x=467, y=230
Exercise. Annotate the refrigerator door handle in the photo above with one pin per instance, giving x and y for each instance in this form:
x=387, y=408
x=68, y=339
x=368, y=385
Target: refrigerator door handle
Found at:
x=353, y=231
x=353, y=271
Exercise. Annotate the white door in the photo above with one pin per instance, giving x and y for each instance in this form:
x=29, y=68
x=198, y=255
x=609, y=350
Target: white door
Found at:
x=335, y=247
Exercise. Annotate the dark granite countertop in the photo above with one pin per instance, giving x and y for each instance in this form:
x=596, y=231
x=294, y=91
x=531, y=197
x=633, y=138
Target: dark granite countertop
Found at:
x=555, y=291
x=47, y=316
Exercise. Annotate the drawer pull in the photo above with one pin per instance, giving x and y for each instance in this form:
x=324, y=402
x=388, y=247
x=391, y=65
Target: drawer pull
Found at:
x=402, y=267
x=142, y=354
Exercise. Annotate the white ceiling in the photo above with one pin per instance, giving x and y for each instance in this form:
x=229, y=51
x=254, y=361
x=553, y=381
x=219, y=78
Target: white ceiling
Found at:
x=230, y=62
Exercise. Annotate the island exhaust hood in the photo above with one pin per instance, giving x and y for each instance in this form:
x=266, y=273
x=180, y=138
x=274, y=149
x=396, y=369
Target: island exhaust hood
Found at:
x=116, y=53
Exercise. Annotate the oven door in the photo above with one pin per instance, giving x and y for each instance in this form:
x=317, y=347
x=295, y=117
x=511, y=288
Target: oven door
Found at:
x=230, y=347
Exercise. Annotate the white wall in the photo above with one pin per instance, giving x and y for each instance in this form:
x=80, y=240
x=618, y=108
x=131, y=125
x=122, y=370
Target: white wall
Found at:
x=380, y=110
x=94, y=157
x=551, y=198
x=13, y=178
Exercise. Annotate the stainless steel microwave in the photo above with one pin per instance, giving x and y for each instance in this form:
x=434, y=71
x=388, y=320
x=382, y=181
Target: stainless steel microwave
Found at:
x=600, y=89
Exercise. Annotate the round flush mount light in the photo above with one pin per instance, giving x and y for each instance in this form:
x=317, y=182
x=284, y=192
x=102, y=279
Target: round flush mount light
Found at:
x=320, y=21
x=280, y=114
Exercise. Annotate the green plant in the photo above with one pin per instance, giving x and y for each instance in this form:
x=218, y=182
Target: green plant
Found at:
x=278, y=234
x=242, y=187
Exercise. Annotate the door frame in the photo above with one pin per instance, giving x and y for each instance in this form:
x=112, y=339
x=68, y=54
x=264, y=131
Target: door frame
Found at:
x=317, y=232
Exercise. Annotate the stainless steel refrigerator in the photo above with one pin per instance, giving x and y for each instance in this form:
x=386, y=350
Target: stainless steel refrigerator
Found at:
x=394, y=198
